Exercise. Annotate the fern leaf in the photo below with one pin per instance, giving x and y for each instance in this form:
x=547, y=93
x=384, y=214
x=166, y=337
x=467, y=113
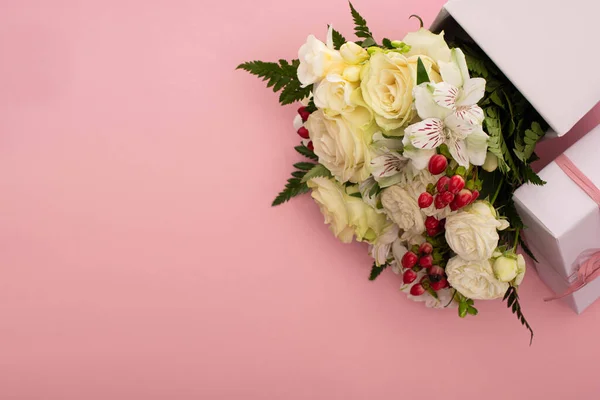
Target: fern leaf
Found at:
x=306, y=152
x=361, y=29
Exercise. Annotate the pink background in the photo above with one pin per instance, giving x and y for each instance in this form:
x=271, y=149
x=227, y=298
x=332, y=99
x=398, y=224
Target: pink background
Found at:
x=139, y=257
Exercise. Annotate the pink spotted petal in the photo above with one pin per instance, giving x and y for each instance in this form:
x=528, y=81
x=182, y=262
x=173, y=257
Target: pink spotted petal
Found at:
x=470, y=114
x=427, y=134
x=458, y=150
x=445, y=95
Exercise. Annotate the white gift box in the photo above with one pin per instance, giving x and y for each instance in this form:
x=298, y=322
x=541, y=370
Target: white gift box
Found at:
x=563, y=221
x=547, y=49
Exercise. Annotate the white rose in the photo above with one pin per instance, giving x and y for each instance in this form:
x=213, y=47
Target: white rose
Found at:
x=474, y=279
x=343, y=148
x=423, y=42
x=353, y=53
x=317, y=60
x=387, y=85
x=472, y=233
x=346, y=215
x=403, y=209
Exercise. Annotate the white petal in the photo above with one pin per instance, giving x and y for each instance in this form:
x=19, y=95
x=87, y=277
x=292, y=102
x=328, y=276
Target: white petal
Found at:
x=445, y=95
x=425, y=104
x=419, y=158
x=330, y=37
x=477, y=147
x=398, y=250
x=470, y=114
x=458, y=150
x=458, y=128
x=472, y=91
x=298, y=122
x=450, y=73
x=386, y=165
x=427, y=134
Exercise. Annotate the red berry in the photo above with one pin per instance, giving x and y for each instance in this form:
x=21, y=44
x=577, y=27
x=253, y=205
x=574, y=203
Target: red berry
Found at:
x=433, y=231
x=409, y=276
x=437, y=164
x=303, y=113
x=425, y=248
x=425, y=200
x=431, y=222
x=463, y=198
x=453, y=205
x=436, y=270
x=439, y=202
x=417, y=289
x=409, y=259
x=310, y=146
x=303, y=132
x=442, y=283
x=426, y=261
x=474, y=196
x=456, y=184
x=442, y=184
x=447, y=197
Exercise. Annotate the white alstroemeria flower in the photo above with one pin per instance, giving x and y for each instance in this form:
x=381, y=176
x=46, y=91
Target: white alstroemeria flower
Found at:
x=450, y=114
x=381, y=248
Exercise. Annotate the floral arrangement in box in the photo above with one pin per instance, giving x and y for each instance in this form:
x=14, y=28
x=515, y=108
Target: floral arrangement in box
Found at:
x=415, y=147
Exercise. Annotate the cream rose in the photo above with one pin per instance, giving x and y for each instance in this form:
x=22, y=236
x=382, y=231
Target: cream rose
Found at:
x=387, y=85
x=342, y=147
x=474, y=279
x=346, y=215
x=403, y=209
x=317, y=60
x=473, y=232
x=337, y=96
x=510, y=268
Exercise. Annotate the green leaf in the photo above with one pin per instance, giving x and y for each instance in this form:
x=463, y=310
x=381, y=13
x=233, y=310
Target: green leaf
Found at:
x=496, y=142
x=280, y=76
x=361, y=29
x=356, y=194
x=476, y=66
x=294, y=187
x=513, y=303
x=316, y=171
x=304, y=166
x=387, y=43
x=526, y=249
x=511, y=214
x=298, y=174
x=530, y=176
x=376, y=270
x=306, y=152
x=463, y=309
x=525, y=146
x=472, y=310
x=422, y=76
x=338, y=39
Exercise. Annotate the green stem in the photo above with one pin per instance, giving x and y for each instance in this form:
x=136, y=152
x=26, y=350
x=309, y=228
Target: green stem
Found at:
x=497, y=192
x=516, y=240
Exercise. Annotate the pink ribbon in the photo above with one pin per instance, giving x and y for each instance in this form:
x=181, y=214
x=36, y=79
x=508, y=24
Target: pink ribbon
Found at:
x=588, y=262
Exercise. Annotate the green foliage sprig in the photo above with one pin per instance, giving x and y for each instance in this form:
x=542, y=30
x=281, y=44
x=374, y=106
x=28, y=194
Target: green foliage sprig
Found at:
x=512, y=301
x=376, y=270
x=282, y=75
x=361, y=29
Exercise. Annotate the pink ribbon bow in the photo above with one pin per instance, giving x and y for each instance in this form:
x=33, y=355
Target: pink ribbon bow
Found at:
x=588, y=262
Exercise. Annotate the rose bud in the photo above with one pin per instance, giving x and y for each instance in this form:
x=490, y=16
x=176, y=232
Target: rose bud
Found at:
x=417, y=289
x=409, y=259
x=456, y=184
x=437, y=164
x=425, y=248
x=409, y=276
x=442, y=184
x=425, y=200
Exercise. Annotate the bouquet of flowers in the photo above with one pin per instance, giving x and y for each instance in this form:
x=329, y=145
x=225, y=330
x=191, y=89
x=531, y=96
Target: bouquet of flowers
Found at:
x=415, y=147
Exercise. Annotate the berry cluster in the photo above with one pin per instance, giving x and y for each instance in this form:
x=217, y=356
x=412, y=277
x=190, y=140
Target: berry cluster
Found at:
x=421, y=257
x=302, y=131
x=451, y=189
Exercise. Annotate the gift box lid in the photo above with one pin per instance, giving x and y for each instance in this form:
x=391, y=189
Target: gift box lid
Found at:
x=561, y=218
x=546, y=48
